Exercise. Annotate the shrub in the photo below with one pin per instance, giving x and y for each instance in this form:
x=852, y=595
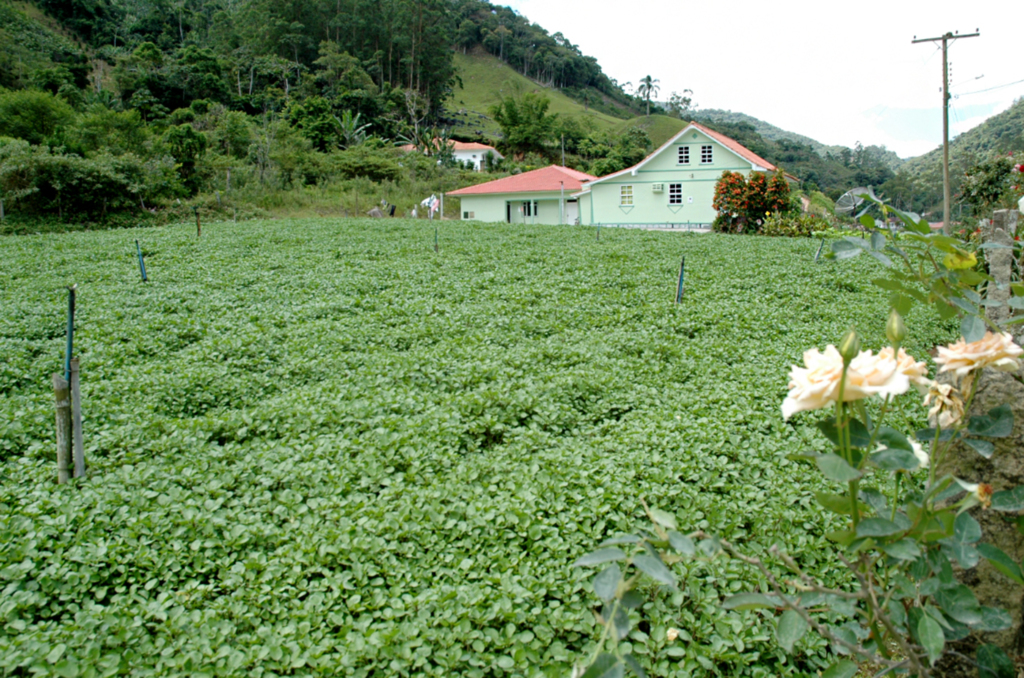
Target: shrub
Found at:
x=40, y=182
x=743, y=202
x=793, y=226
x=365, y=162
x=32, y=115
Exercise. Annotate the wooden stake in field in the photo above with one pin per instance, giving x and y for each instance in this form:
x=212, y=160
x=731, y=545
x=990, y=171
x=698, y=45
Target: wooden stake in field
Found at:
x=76, y=421
x=62, y=401
x=199, y=227
x=436, y=249
x=820, y=247
x=70, y=332
x=679, y=287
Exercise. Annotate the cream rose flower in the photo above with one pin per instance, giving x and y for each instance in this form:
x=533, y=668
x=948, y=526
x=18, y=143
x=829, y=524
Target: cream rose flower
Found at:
x=982, y=492
x=817, y=385
x=916, y=371
x=992, y=350
x=947, y=408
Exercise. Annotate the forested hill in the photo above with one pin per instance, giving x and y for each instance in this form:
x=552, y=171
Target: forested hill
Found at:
x=247, y=53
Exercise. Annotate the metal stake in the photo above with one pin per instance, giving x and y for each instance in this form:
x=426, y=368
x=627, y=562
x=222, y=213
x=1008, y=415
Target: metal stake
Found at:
x=142, y=263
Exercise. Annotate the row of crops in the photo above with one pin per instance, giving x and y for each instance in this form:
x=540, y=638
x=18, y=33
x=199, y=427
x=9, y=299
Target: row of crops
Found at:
x=318, y=447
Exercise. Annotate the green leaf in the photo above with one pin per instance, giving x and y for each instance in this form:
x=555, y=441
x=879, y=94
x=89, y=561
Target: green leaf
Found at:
x=966, y=532
x=606, y=583
x=620, y=540
x=973, y=328
x=655, y=568
x=982, y=447
x=791, y=628
x=967, y=307
x=993, y=619
x=859, y=434
x=890, y=437
x=837, y=503
x=844, y=249
x=634, y=666
x=682, y=544
x=843, y=668
x=620, y=620
x=887, y=284
x=930, y=635
x=600, y=556
x=880, y=258
x=632, y=600
x=605, y=666
x=1002, y=562
x=877, y=527
x=1017, y=303
x=904, y=549
x=1009, y=500
x=835, y=468
x=664, y=518
x=748, y=601
x=998, y=423
x=878, y=241
x=993, y=663
x=960, y=603
x=892, y=459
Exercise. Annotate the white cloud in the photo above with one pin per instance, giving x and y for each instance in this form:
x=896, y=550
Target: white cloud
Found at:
x=837, y=73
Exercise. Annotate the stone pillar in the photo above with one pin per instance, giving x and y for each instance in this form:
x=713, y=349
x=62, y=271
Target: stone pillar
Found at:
x=1004, y=470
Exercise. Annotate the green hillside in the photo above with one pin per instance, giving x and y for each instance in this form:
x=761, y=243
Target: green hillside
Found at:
x=485, y=78
x=660, y=128
x=773, y=133
x=1000, y=133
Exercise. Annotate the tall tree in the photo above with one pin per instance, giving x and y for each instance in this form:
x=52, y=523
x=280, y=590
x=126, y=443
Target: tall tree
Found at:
x=648, y=88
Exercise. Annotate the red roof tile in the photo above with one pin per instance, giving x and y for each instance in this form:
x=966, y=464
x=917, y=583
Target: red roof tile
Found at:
x=549, y=178
x=458, y=146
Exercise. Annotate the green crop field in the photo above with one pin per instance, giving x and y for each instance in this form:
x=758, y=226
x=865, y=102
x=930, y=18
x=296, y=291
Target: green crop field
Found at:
x=319, y=448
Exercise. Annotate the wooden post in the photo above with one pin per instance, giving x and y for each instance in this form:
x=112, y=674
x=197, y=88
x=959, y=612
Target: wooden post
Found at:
x=76, y=422
x=435, y=239
x=62, y=401
x=199, y=227
x=227, y=186
x=1, y=209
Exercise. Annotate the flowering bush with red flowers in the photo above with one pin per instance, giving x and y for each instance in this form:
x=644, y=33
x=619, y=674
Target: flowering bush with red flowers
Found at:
x=995, y=183
x=743, y=203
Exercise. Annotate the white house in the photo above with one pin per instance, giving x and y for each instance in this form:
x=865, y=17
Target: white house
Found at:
x=467, y=151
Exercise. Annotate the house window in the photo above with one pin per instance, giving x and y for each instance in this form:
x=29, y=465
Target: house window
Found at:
x=675, y=194
x=626, y=195
x=469, y=215
x=706, y=157
x=684, y=155
x=530, y=208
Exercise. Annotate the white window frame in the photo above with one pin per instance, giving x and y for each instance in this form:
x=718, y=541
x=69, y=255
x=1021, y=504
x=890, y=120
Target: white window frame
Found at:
x=683, y=155
x=530, y=208
x=707, y=154
x=626, y=195
x=675, y=194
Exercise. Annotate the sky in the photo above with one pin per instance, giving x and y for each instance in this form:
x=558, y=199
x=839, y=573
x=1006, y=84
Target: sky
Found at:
x=840, y=73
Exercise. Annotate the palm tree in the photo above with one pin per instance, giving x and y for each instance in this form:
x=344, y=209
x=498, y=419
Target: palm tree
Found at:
x=648, y=88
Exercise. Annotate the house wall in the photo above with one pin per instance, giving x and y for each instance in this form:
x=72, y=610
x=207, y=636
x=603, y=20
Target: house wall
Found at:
x=649, y=207
x=474, y=156
x=491, y=208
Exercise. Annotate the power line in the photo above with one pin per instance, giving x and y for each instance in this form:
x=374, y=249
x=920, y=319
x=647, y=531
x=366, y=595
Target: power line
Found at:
x=1009, y=84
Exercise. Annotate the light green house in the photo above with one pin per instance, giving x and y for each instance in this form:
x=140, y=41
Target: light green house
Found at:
x=673, y=186
x=543, y=196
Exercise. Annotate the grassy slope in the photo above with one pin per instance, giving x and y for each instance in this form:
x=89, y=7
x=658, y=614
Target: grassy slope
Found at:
x=485, y=78
x=660, y=128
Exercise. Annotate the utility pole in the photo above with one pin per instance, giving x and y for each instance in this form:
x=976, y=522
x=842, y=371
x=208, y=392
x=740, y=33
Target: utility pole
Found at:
x=947, y=226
